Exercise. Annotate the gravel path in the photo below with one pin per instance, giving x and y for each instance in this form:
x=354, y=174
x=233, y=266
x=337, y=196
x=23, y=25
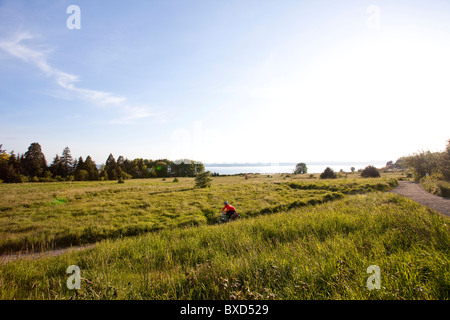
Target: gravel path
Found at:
x=415, y=192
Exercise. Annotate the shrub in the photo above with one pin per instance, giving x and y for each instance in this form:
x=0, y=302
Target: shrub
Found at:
x=328, y=173
x=121, y=180
x=370, y=172
x=176, y=180
x=444, y=188
x=81, y=175
x=434, y=184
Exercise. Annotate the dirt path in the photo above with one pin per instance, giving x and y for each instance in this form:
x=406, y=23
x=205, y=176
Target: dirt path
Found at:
x=415, y=192
x=38, y=255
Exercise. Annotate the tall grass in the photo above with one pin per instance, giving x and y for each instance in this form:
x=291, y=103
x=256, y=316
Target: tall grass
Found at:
x=42, y=216
x=311, y=252
x=347, y=186
x=436, y=186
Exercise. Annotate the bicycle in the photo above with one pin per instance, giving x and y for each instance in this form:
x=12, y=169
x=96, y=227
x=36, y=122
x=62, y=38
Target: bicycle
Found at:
x=224, y=218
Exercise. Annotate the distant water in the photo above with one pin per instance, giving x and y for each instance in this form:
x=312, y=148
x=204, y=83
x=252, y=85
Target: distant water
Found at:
x=287, y=168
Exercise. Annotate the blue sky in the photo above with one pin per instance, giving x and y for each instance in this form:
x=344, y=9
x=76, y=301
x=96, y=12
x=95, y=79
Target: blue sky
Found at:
x=226, y=80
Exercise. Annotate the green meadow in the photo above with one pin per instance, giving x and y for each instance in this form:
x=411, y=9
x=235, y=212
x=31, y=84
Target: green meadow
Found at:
x=299, y=238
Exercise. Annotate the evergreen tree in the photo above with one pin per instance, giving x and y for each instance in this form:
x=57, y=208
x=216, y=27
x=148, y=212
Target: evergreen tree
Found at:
x=55, y=167
x=67, y=163
x=203, y=180
x=14, y=169
x=91, y=168
x=10, y=167
x=121, y=170
x=34, y=163
x=79, y=172
x=110, y=167
x=121, y=163
x=80, y=164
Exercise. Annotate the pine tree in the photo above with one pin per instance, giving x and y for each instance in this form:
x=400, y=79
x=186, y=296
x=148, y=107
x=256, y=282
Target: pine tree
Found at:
x=14, y=169
x=79, y=172
x=121, y=162
x=67, y=163
x=91, y=168
x=110, y=167
x=55, y=167
x=203, y=180
x=34, y=162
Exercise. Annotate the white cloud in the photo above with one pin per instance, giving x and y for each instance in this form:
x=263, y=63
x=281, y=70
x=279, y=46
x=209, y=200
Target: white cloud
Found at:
x=67, y=81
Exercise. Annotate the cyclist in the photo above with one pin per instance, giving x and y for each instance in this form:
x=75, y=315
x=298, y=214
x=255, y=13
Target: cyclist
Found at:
x=230, y=210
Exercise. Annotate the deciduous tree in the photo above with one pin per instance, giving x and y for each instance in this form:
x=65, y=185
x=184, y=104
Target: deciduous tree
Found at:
x=301, y=168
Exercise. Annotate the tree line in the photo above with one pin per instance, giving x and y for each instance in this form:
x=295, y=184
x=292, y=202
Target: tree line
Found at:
x=427, y=163
x=32, y=166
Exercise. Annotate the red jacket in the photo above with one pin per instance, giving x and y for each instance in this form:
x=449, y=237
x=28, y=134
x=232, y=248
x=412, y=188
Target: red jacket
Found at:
x=229, y=208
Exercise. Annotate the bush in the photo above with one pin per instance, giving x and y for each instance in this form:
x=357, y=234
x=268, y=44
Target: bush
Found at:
x=370, y=172
x=81, y=175
x=176, y=180
x=121, y=180
x=444, y=188
x=328, y=173
x=435, y=184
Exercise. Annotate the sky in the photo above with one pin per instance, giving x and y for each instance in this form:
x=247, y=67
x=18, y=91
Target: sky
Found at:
x=225, y=81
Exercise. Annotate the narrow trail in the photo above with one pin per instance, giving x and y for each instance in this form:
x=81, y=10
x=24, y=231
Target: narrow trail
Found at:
x=43, y=254
x=414, y=191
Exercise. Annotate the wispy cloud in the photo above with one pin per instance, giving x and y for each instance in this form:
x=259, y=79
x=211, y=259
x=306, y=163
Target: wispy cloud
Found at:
x=16, y=47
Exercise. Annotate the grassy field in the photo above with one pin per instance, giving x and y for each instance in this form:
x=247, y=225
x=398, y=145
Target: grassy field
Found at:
x=316, y=243
x=41, y=216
